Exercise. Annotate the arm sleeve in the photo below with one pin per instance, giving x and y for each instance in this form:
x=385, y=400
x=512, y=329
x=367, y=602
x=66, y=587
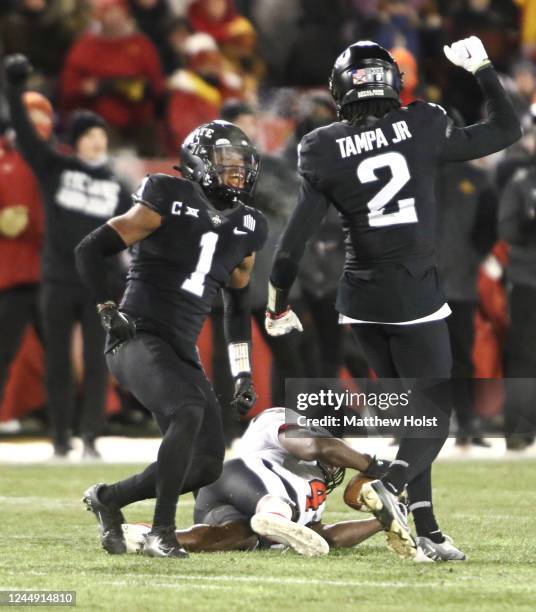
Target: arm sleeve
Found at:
x=237, y=328
x=305, y=220
x=514, y=226
x=38, y=153
x=91, y=256
x=498, y=131
x=237, y=314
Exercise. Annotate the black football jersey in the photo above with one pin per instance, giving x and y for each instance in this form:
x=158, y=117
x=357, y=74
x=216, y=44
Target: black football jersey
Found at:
x=381, y=179
x=177, y=271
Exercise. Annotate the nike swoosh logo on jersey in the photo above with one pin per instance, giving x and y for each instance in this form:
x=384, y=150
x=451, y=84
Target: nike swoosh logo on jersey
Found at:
x=238, y=232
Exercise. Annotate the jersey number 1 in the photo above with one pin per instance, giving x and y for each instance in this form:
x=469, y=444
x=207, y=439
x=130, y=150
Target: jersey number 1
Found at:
x=366, y=173
x=195, y=283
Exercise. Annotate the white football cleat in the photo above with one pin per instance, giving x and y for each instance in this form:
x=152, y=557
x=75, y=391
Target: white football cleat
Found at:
x=303, y=540
x=429, y=551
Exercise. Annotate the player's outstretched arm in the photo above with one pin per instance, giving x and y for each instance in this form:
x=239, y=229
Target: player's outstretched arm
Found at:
x=329, y=451
x=347, y=533
x=110, y=239
x=501, y=128
x=237, y=329
x=305, y=220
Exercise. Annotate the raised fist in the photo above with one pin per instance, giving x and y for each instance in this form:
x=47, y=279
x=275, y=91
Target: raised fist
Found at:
x=468, y=53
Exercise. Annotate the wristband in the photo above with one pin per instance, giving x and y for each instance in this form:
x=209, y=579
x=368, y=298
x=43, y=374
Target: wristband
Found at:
x=277, y=299
x=239, y=358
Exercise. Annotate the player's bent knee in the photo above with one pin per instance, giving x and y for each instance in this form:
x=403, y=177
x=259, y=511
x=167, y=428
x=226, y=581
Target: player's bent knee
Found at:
x=188, y=416
x=209, y=468
x=274, y=505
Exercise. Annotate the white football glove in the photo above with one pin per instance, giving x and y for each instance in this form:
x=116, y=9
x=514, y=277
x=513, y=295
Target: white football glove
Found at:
x=468, y=53
x=279, y=325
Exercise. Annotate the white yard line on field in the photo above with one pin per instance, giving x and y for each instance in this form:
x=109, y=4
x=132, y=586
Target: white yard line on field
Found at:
x=422, y=583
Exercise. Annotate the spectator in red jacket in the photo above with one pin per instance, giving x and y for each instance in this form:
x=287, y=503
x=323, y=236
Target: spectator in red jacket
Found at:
x=198, y=91
x=116, y=73
x=21, y=234
x=212, y=17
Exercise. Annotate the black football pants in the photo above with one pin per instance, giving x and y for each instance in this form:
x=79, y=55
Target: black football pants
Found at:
x=420, y=351
x=18, y=309
x=62, y=306
x=170, y=382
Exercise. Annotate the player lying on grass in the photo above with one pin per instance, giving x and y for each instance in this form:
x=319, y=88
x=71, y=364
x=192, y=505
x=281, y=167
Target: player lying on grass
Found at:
x=276, y=490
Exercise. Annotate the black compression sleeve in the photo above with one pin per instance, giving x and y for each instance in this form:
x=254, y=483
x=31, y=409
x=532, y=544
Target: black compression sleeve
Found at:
x=305, y=220
x=91, y=256
x=237, y=329
x=498, y=131
x=237, y=314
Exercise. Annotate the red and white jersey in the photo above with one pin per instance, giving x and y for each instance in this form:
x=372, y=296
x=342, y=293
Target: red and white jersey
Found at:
x=300, y=482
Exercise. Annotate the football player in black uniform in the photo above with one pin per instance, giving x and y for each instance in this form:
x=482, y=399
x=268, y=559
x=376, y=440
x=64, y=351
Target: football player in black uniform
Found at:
x=191, y=236
x=377, y=166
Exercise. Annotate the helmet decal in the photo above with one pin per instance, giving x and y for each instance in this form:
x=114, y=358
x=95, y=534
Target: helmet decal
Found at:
x=364, y=70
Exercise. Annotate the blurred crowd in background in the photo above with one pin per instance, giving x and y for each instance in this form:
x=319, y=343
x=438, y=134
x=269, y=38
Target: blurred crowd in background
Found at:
x=155, y=69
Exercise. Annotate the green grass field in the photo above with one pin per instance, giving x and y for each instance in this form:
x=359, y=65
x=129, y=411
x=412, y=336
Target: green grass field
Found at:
x=48, y=542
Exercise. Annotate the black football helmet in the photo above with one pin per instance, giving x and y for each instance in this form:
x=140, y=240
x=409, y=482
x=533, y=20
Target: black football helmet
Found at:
x=363, y=71
x=222, y=159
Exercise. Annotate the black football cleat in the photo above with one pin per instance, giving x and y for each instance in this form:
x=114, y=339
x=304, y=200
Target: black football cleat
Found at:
x=386, y=507
x=110, y=519
x=162, y=542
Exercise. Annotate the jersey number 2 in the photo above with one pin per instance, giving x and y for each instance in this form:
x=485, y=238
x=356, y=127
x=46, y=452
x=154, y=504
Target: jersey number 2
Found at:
x=366, y=173
x=195, y=283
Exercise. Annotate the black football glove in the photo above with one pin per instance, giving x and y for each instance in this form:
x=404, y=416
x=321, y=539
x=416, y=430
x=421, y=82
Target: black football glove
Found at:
x=376, y=468
x=244, y=395
x=17, y=68
x=118, y=324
